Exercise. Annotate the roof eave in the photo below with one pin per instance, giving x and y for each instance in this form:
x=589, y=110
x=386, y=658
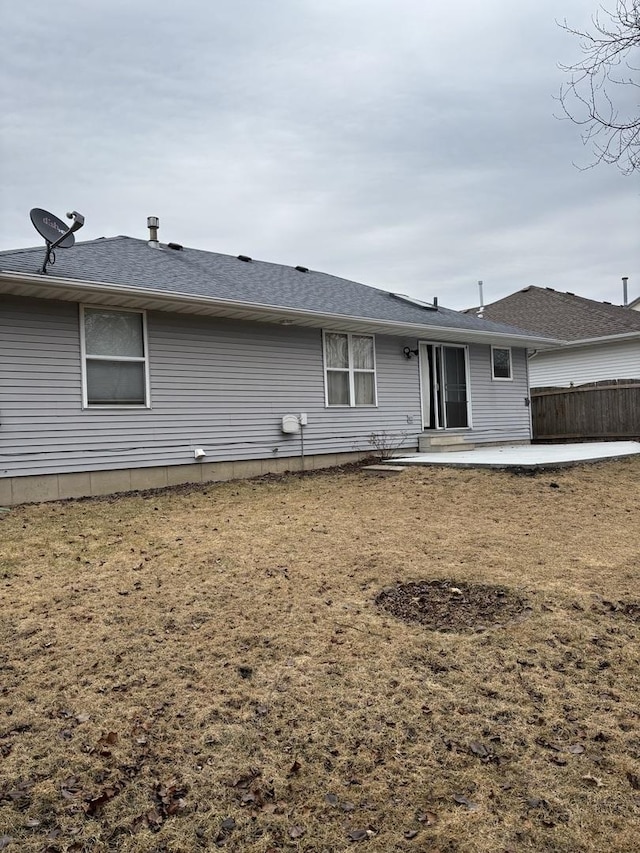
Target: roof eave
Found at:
x=79, y=290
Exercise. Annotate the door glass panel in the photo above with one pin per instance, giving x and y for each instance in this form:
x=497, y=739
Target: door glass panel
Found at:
x=455, y=390
x=444, y=387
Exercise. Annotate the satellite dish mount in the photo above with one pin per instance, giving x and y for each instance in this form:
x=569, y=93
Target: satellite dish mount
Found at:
x=55, y=232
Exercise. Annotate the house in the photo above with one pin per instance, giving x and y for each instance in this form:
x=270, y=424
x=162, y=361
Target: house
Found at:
x=602, y=340
x=134, y=364
x=635, y=304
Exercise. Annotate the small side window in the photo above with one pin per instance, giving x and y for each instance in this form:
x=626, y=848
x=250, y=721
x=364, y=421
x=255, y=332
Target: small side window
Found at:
x=501, y=363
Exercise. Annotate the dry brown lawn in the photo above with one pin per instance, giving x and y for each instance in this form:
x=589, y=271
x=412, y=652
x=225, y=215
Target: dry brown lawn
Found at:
x=207, y=667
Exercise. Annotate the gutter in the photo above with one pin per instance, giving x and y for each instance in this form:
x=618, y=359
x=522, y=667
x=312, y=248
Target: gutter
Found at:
x=585, y=342
x=417, y=329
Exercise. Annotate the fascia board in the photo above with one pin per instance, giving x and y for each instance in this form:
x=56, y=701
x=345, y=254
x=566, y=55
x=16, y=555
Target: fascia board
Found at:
x=605, y=339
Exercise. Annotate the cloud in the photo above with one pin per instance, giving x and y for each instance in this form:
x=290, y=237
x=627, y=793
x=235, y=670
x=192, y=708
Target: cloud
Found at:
x=411, y=144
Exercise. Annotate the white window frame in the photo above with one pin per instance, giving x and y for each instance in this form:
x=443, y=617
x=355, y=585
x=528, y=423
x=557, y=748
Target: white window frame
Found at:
x=143, y=359
x=351, y=370
x=508, y=378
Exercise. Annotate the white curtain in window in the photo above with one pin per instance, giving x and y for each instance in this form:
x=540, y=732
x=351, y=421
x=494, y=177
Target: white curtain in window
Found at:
x=337, y=350
x=362, y=349
x=350, y=369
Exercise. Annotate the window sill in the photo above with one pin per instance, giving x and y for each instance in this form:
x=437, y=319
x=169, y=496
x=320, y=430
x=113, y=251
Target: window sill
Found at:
x=93, y=407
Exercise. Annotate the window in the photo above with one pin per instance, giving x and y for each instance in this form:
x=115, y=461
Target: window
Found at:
x=114, y=355
x=501, y=363
x=350, y=370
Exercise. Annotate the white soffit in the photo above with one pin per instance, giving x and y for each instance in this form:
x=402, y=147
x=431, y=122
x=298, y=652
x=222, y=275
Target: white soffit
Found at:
x=118, y=296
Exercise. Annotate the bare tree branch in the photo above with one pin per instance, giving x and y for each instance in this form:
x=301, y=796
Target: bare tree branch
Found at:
x=599, y=93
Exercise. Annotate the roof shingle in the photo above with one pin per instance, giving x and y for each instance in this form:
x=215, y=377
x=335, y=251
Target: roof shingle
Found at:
x=545, y=311
x=134, y=263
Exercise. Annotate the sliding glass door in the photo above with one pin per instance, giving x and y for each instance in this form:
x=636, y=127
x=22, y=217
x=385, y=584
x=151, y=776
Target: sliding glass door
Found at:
x=443, y=370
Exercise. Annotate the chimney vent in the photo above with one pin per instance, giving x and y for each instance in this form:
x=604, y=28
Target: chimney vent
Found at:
x=481, y=293
x=153, y=223
x=625, y=295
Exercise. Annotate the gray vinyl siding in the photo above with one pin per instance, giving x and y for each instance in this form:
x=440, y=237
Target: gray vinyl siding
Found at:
x=499, y=411
x=577, y=365
x=216, y=384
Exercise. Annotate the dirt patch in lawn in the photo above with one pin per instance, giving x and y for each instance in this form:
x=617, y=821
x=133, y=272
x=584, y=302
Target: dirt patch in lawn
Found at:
x=446, y=605
x=208, y=668
x=630, y=609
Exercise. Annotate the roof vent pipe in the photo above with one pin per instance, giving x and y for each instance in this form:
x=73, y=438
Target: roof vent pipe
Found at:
x=481, y=308
x=153, y=223
x=625, y=295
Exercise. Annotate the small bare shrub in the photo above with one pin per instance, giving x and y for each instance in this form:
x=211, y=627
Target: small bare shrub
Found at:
x=386, y=444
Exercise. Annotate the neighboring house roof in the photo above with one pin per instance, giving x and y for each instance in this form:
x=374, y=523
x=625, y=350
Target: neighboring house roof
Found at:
x=561, y=315
x=130, y=272
x=635, y=304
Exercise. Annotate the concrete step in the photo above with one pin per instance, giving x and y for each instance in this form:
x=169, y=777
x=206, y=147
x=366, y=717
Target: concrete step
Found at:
x=443, y=444
x=442, y=438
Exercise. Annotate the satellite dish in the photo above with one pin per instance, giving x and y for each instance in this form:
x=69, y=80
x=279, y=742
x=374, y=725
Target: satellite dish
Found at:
x=51, y=228
x=55, y=231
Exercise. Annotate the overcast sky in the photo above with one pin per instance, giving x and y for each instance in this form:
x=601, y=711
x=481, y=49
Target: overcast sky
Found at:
x=406, y=144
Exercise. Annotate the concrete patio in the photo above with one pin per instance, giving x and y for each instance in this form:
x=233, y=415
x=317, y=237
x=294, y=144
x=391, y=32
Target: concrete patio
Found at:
x=526, y=455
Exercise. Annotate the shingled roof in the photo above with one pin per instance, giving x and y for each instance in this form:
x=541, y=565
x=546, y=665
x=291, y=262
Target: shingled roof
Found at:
x=209, y=277
x=545, y=311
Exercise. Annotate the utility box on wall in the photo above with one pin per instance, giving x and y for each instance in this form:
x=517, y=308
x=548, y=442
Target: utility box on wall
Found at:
x=290, y=424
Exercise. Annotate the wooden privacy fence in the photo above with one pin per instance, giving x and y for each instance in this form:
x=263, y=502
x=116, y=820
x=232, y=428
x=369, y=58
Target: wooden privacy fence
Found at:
x=593, y=412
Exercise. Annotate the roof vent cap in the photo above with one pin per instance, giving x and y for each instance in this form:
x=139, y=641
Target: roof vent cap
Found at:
x=302, y=269
x=177, y=247
x=245, y=258
x=153, y=223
